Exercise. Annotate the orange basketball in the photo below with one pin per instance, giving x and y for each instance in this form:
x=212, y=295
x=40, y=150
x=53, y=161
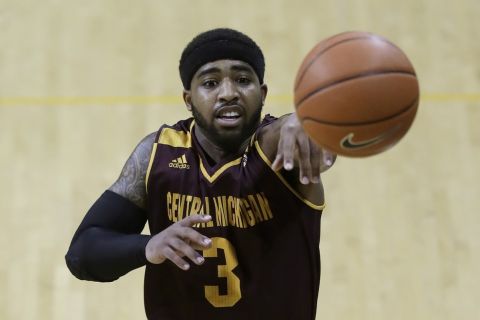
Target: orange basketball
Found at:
x=356, y=94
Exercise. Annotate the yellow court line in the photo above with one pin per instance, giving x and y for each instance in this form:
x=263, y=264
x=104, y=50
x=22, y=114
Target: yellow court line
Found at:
x=177, y=99
x=450, y=97
x=90, y=100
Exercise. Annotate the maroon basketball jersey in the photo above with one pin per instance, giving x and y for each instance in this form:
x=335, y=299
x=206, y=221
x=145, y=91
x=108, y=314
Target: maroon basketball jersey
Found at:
x=264, y=261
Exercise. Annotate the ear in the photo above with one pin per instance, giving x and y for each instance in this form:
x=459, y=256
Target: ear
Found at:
x=264, y=90
x=187, y=97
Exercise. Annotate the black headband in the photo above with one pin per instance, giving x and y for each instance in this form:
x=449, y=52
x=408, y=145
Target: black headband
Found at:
x=220, y=44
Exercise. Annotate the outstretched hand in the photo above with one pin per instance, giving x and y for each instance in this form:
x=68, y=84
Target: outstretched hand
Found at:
x=178, y=241
x=296, y=148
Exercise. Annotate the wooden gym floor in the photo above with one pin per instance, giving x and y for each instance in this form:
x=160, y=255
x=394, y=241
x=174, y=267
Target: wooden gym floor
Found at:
x=81, y=82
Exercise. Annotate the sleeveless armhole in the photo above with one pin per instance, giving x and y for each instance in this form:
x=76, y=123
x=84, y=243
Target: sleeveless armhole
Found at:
x=172, y=137
x=318, y=207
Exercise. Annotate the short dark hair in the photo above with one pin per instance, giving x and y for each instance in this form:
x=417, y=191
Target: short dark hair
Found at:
x=216, y=44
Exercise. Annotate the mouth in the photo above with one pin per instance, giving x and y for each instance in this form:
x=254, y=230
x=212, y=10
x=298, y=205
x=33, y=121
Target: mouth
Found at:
x=229, y=116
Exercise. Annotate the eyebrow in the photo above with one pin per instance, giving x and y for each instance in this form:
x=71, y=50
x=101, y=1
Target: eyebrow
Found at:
x=236, y=67
x=207, y=71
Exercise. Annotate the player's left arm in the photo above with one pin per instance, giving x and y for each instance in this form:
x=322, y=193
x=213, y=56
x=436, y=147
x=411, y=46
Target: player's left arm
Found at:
x=287, y=145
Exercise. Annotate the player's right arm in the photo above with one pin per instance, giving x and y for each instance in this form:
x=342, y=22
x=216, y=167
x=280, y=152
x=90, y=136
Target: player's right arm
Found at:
x=108, y=243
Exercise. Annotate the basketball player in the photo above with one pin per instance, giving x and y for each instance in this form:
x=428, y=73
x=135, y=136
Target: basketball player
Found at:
x=233, y=201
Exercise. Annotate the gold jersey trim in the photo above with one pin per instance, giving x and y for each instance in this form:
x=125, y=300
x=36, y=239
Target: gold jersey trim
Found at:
x=267, y=161
x=150, y=163
x=212, y=178
x=174, y=138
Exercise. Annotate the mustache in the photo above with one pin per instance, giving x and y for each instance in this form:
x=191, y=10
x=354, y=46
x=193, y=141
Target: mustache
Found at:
x=234, y=102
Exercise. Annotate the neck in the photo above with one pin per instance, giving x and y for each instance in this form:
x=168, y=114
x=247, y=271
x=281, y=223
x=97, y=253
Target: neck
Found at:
x=214, y=151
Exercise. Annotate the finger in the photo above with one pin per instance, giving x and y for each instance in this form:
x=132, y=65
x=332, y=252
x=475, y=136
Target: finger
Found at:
x=199, y=247
x=193, y=237
x=287, y=150
x=304, y=159
x=194, y=219
x=316, y=157
x=277, y=163
x=184, y=250
x=176, y=259
x=328, y=159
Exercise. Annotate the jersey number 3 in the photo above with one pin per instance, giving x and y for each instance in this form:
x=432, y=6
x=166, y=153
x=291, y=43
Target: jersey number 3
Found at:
x=212, y=293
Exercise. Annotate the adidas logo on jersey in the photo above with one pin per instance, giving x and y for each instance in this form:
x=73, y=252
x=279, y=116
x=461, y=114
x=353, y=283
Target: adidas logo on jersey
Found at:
x=179, y=163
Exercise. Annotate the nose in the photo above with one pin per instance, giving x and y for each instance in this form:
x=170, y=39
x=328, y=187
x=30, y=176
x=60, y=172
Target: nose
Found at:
x=227, y=91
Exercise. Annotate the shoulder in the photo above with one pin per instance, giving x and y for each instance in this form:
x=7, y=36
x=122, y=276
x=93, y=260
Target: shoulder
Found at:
x=142, y=151
x=269, y=133
x=177, y=135
x=131, y=181
x=147, y=141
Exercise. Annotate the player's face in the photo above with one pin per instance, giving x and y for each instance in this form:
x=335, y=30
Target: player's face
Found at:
x=226, y=100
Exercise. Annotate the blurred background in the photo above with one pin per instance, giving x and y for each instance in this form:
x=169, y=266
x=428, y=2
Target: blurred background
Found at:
x=81, y=82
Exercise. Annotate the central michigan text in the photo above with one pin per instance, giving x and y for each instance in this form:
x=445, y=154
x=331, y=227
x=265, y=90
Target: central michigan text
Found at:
x=225, y=210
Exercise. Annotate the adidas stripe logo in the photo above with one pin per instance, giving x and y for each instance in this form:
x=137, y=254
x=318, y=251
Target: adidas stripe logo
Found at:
x=179, y=163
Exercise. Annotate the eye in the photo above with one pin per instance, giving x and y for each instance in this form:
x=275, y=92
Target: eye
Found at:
x=209, y=83
x=244, y=80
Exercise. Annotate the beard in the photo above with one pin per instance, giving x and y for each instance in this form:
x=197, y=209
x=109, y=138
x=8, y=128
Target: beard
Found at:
x=230, y=141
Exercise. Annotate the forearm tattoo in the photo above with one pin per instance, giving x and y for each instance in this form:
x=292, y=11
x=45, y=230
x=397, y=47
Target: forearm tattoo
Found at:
x=131, y=182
